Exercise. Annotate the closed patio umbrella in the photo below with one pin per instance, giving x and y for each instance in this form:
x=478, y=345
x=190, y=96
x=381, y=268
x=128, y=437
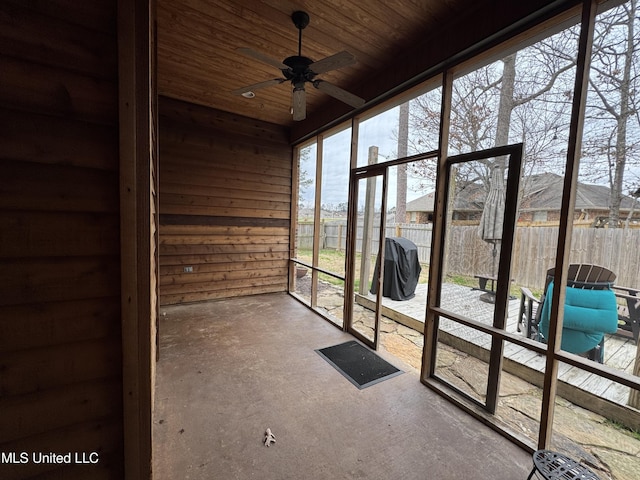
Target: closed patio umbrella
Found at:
x=492, y=219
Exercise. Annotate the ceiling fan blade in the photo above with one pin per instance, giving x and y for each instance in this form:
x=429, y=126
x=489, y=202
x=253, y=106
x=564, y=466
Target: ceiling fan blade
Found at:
x=339, y=93
x=299, y=103
x=256, y=86
x=339, y=60
x=262, y=57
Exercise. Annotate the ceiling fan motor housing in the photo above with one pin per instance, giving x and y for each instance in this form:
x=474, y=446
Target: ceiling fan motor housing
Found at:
x=298, y=70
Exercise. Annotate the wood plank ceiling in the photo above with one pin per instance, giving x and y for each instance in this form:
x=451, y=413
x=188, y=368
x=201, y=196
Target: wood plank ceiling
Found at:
x=197, y=39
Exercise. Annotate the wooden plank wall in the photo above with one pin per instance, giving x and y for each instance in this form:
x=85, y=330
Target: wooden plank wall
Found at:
x=60, y=328
x=225, y=198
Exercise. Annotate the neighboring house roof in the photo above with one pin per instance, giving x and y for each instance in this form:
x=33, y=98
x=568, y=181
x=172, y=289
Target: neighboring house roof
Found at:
x=470, y=198
x=423, y=204
x=542, y=192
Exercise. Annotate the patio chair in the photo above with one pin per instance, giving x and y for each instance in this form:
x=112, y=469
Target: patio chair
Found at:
x=590, y=310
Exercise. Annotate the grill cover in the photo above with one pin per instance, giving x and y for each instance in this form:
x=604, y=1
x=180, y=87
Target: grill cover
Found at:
x=401, y=269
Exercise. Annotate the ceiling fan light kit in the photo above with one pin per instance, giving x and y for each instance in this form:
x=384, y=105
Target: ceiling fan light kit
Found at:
x=299, y=70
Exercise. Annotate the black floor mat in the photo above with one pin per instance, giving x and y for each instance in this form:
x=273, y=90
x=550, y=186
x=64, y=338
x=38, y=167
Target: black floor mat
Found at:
x=358, y=364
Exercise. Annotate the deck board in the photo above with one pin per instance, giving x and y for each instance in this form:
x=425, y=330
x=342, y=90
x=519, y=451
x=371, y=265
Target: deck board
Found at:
x=620, y=352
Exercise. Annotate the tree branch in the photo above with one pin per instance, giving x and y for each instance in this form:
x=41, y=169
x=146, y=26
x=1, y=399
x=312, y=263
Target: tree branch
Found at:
x=546, y=88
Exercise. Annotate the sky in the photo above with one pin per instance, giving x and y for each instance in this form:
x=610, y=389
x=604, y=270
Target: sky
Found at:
x=377, y=131
x=546, y=149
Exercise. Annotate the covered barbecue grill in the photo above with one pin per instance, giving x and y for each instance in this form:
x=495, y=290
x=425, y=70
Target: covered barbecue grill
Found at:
x=401, y=269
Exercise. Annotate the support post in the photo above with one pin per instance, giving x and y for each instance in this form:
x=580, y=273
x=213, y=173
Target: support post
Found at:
x=367, y=228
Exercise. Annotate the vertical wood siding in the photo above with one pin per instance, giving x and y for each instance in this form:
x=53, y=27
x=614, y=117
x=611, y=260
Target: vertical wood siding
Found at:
x=225, y=198
x=60, y=332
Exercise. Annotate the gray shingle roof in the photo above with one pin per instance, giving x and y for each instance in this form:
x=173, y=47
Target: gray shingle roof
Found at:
x=422, y=204
x=542, y=192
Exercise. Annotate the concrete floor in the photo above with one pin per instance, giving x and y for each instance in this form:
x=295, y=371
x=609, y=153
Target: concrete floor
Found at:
x=231, y=369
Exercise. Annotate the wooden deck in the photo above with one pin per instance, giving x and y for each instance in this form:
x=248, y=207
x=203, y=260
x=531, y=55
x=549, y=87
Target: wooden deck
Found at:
x=619, y=352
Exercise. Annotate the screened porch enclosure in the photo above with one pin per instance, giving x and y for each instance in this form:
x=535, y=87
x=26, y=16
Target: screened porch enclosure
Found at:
x=415, y=145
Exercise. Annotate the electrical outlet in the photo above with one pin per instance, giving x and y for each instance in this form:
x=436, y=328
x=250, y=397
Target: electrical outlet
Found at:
x=188, y=269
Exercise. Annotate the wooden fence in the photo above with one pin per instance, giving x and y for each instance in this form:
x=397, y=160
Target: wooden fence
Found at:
x=333, y=236
x=534, y=249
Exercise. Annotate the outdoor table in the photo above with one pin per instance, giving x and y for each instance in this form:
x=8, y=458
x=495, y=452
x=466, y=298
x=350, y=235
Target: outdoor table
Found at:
x=482, y=281
x=553, y=465
x=490, y=294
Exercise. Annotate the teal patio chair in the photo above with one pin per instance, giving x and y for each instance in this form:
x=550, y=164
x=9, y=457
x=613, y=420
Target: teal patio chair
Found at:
x=590, y=310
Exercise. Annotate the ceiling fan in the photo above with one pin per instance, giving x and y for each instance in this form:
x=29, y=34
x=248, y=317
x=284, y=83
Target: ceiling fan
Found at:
x=300, y=70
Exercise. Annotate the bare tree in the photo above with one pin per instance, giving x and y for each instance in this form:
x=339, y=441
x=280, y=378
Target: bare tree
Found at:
x=612, y=132
x=525, y=97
